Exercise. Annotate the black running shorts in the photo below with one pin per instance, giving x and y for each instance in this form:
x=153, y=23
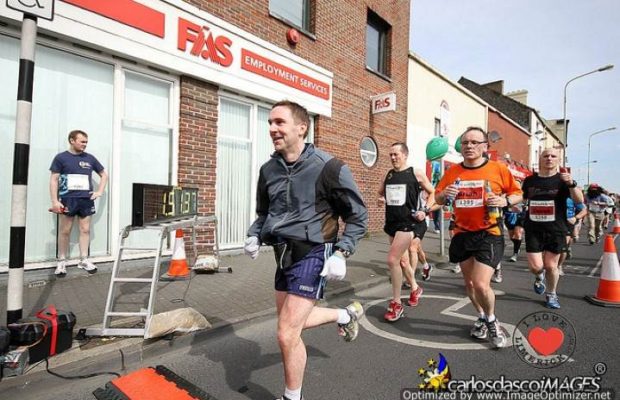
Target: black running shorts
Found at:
x=537, y=241
x=484, y=247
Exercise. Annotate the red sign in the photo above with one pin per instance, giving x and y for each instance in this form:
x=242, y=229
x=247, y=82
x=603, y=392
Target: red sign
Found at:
x=262, y=66
x=127, y=12
x=216, y=49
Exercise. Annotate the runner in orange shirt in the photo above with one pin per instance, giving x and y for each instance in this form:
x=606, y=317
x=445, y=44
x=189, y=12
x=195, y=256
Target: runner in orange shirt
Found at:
x=484, y=187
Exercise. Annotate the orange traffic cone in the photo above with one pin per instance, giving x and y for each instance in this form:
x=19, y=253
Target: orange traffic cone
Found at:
x=608, y=293
x=178, y=269
x=616, y=224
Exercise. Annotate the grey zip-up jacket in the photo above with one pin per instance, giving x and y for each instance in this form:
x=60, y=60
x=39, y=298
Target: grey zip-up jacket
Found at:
x=303, y=201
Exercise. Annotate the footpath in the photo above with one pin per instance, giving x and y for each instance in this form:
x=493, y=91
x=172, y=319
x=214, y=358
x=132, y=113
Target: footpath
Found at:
x=223, y=298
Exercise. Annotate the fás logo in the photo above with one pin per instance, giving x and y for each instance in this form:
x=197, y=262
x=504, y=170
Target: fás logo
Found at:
x=204, y=43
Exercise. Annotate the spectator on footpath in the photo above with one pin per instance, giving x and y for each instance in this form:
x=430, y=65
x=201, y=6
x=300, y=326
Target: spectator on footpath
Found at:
x=596, y=204
x=405, y=223
x=301, y=193
x=545, y=222
x=72, y=194
x=478, y=188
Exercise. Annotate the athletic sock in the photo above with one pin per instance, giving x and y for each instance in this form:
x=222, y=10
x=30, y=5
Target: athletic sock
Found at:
x=540, y=275
x=517, y=245
x=482, y=316
x=343, y=316
x=292, y=394
x=491, y=318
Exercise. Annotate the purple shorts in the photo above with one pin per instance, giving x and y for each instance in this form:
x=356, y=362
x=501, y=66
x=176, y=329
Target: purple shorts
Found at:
x=301, y=277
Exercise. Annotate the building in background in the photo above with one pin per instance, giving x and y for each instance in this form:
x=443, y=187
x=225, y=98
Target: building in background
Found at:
x=438, y=107
x=514, y=106
x=175, y=92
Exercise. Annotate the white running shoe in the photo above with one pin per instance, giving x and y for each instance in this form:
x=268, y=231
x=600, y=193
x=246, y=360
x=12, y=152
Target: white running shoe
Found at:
x=456, y=269
x=61, y=269
x=87, y=266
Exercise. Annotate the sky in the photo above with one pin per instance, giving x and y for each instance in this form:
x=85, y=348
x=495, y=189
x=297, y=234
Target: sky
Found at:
x=537, y=45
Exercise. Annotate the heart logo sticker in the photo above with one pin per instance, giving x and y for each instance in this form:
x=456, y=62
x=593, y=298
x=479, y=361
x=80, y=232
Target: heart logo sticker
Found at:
x=545, y=342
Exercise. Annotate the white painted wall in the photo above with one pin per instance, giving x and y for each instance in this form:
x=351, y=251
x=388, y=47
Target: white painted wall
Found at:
x=427, y=89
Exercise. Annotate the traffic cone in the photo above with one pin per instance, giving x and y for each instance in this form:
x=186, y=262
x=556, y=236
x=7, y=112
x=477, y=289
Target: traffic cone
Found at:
x=178, y=268
x=616, y=224
x=608, y=293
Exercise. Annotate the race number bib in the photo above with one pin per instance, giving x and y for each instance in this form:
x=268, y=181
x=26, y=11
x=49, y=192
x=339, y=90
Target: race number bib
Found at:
x=78, y=182
x=471, y=194
x=542, y=210
x=395, y=195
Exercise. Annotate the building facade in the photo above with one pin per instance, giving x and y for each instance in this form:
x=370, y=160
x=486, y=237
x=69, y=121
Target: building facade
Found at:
x=175, y=92
x=438, y=107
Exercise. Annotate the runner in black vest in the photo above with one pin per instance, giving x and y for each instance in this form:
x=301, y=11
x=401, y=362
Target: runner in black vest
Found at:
x=405, y=224
x=545, y=222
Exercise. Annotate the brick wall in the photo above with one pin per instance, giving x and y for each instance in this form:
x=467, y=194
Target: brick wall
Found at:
x=339, y=46
x=514, y=141
x=197, y=148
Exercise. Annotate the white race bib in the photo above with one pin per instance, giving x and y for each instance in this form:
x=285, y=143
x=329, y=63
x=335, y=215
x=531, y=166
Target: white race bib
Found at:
x=78, y=182
x=395, y=195
x=542, y=210
x=471, y=194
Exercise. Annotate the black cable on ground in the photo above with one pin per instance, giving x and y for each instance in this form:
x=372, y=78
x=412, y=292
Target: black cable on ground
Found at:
x=56, y=374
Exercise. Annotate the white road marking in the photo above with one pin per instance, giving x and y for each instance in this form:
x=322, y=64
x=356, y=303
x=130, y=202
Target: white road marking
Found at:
x=450, y=311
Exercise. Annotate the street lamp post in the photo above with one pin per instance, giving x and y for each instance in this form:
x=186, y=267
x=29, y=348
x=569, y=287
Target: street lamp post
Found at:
x=564, y=122
x=589, y=143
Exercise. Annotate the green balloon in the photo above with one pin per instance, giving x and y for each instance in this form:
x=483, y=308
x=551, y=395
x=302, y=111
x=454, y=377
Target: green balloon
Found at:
x=457, y=145
x=436, y=148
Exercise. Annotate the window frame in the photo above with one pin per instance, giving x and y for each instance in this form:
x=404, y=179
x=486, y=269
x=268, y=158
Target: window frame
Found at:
x=374, y=21
x=307, y=18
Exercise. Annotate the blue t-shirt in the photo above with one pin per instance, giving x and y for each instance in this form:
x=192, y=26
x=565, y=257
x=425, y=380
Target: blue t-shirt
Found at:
x=573, y=209
x=75, y=173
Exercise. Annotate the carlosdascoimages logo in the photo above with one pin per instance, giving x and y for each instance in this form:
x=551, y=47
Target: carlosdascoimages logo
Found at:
x=544, y=339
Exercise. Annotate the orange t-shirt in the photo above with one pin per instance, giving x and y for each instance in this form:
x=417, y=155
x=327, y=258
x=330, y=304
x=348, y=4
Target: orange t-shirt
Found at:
x=470, y=212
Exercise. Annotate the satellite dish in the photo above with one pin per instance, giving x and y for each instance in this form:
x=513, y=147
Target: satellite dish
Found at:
x=494, y=137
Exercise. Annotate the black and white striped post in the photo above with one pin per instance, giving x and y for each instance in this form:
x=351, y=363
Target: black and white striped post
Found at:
x=21, y=156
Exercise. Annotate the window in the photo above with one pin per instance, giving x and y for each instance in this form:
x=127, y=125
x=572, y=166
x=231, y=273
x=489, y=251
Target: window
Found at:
x=79, y=92
x=368, y=151
x=295, y=12
x=243, y=145
x=437, y=127
x=377, y=46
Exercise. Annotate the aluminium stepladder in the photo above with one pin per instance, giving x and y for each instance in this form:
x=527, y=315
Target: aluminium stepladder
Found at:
x=163, y=229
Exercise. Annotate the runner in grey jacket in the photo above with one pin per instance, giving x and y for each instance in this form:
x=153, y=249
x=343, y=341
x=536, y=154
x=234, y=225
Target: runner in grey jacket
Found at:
x=303, y=201
x=302, y=192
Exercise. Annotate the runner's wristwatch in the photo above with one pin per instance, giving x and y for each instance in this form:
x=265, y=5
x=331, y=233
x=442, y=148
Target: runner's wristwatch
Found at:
x=573, y=184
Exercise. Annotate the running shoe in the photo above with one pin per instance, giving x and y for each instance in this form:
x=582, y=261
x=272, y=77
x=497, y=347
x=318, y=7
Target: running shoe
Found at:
x=456, y=269
x=569, y=253
x=552, y=301
x=414, y=297
x=479, y=330
x=61, y=269
x=497, y=277
x=560, y=270
x=350, y=330
x=395, y=313
x=286, y=398
x=426, y=271
x=87, y=266
x=405, y=285
x=390, y=306
x=513, y=258
x=496, y=334
x=539, y=285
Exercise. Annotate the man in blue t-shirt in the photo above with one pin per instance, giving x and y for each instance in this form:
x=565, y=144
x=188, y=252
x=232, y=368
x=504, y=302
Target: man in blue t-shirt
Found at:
x=71, y=192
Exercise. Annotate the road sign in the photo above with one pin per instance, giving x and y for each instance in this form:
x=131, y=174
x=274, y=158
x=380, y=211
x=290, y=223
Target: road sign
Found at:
x=39, y=8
